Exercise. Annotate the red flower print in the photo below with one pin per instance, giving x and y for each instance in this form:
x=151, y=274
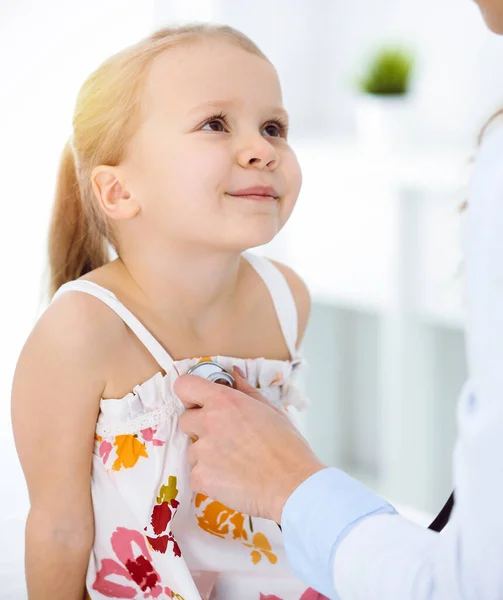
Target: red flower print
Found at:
x=143, y=573
x=160, y=544
x=311, y=594
x=105, y=449
x=148, y=436
x=134, y=565
x=162, y=513
x=110, y=589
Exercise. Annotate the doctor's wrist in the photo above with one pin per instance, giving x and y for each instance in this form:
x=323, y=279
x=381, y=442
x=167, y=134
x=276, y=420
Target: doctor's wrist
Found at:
x=288, y=482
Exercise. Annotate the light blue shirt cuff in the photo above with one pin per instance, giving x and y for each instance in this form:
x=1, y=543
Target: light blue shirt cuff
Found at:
x=318, y=516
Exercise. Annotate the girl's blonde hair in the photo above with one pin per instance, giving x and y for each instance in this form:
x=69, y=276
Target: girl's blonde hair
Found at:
x=106, y=117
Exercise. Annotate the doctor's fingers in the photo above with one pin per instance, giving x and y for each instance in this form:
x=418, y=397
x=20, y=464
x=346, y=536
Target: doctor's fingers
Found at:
x=196, y=391
x=193, y=453
x=192, y=422
x=243, y=386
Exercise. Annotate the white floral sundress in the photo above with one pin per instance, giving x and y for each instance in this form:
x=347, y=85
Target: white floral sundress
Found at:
x=155, y=538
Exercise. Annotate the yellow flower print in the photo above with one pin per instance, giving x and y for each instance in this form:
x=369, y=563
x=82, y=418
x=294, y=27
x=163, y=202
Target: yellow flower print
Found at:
x=261, y=544
x=129, y=451
x=168, y=492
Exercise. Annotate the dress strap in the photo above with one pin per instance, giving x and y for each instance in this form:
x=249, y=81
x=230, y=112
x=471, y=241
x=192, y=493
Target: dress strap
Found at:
x=282, y=298
x=161, y=356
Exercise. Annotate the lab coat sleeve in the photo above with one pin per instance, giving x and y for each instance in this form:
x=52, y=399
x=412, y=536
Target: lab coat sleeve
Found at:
x=317, y=517
x=385, y=557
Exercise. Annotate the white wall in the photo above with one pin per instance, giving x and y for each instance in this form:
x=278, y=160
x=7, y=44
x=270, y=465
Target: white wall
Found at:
x=47, y=51
x=49, y=48
x=318, y=48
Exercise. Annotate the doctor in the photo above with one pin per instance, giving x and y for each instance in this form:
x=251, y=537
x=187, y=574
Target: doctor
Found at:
x=341, y=538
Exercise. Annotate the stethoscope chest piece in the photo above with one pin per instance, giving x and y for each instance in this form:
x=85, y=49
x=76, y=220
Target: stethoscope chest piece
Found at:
x=213, y=371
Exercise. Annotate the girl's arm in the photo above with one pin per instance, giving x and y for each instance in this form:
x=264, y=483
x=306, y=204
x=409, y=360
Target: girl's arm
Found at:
x=55, y=400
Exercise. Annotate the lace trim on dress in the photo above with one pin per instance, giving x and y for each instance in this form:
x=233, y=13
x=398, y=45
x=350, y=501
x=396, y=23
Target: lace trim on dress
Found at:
x=152, y=419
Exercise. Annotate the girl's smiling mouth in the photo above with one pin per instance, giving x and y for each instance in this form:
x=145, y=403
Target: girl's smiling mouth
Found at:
x=258, y=192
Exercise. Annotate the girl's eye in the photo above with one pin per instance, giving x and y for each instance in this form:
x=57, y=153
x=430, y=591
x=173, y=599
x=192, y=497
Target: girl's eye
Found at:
x=275, y=129
x=217, y=124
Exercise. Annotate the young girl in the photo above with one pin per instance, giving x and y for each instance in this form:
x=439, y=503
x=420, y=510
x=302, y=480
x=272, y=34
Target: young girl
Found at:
x=179, y=160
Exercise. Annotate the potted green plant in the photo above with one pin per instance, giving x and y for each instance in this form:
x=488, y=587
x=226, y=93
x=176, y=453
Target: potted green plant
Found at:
x=384, y=99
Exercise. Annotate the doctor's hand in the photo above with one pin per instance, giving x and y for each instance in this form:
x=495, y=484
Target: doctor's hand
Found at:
x=247, y=454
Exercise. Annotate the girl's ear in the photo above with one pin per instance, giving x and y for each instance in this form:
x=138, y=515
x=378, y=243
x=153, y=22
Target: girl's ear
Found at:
x=112, y=194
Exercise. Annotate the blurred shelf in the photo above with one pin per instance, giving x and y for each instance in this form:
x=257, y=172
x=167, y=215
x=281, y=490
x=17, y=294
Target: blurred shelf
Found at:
x=377, y=238
x=379, y=232
x=414, y=166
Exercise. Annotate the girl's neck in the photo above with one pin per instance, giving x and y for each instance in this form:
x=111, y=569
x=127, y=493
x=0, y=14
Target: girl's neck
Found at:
x=197, y=290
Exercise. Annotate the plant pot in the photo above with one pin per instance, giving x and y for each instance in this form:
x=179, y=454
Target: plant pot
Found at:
x=384, y=123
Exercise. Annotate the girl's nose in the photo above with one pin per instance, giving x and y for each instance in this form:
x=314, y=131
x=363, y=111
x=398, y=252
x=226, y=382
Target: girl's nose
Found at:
x=259, y=154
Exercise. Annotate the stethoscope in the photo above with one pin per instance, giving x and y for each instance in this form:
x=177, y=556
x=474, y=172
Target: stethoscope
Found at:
x=443, y=516
x=215, y=372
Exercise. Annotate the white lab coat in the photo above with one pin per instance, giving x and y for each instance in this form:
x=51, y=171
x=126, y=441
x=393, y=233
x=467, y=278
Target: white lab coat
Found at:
x=385, y=557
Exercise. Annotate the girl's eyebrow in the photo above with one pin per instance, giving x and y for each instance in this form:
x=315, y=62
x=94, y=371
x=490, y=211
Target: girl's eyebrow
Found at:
x=227, y=104
x=218, y=104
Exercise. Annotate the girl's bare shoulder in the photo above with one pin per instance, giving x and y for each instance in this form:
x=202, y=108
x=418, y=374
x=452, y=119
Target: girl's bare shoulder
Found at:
x=76, y=331
x=301, y=296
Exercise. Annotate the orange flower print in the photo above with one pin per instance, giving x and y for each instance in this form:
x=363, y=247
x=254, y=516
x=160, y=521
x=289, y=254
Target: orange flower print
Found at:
x=129, y=450
x=262, y=545
x=239, y=531
x=214, y=518
x=217, y=520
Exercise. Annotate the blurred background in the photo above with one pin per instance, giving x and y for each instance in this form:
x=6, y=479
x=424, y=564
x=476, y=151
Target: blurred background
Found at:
x=376, y=233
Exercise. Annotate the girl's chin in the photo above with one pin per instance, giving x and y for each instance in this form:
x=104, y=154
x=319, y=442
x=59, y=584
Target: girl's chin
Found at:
x=493, y=20
x=252, y=239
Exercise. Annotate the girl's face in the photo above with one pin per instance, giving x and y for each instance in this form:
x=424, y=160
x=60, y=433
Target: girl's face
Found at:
x=492, y=11
x=213, y=128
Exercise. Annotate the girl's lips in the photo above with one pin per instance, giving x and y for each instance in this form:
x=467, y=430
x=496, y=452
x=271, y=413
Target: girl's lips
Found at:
x=255, y=197
x=256, y=193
